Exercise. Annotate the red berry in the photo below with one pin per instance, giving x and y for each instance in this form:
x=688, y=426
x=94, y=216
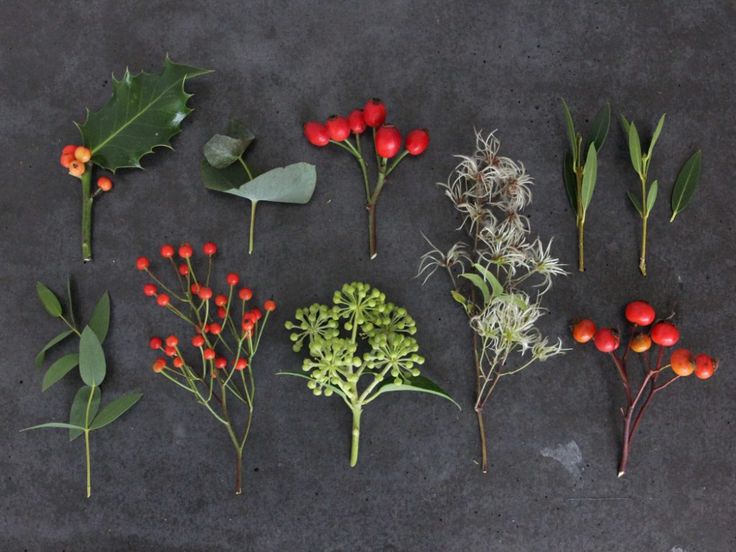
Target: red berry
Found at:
x=221, y=312
x=269, y=305
x=209, y=249
x=69, y=149
x=82, y=154
x=183, y=269
x=388, y=141
x=170, y=351
x=197, y=341
x=241, y=364
x=640, y=343
x=215, y=328
x=583, y=331
x=159, y=365
x=606, y=340
x=256, y=314
x=77, y=168
x=195, y=288
x=185, y=251
x=374, y=113
x=417, y=141
x=317, y=134
x=104, y=184
x=682, y=363
x=665, y=334
x=66, y=159
x=247, y=325
x=209, y=354
x=220, y=363
x=640, y=313
x=338, y=128
x=150, y=290
x=155, y=343
x=142, y=263
x=162, y=299
x=221, y=300
x=705, y=366
x=204, y=293
x=172, y=341
x=178, y=362
x=356, y=121
x=232, y=279
x=167, y=251
x=245, y=294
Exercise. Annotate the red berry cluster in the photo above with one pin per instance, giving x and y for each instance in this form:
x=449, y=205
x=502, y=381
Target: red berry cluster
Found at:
x=645, y=331
x=75, y=159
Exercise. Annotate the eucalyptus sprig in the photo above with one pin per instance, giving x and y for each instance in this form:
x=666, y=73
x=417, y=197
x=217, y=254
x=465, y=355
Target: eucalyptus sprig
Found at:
x=85, y=415
x=498, y=274
x=377, y=353
x=580, y=171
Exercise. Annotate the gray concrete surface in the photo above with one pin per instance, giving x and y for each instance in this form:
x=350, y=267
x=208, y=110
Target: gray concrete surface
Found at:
x=163, y=474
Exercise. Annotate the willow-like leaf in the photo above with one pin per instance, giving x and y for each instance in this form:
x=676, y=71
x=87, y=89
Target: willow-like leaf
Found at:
x=686, y=183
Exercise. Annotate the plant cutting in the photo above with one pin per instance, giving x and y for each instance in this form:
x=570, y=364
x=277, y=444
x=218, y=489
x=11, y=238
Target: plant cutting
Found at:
x=651, y=340
x=144, y=112
x=685, y=185
x=387, y=142
x=359, y=348
x=214, y=365
x=225, y=170
x=580, y=168
x=498, y=273
x=85, y=415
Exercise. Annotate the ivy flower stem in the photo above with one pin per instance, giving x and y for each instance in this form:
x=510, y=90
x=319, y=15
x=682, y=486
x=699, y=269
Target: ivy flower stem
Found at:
x=87, y=201
x=355, y=443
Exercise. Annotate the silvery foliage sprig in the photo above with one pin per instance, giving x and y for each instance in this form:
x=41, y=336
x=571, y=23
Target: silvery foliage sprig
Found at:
x=499, y=273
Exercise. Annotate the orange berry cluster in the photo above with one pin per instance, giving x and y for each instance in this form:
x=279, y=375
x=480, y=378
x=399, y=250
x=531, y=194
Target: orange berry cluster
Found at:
x=75, y=159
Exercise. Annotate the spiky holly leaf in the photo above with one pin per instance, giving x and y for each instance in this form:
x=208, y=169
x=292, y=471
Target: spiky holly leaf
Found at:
x=144, y=112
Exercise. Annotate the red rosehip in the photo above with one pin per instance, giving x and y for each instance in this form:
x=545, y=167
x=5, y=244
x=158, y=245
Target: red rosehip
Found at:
x=682, y=363
x=104, y=183
x=640, y=313
x=245, y=294
x=209, y=249
x=705, y=366
x=221, y=300
x=183, y=269
x=338, y=128
x=167, y=251
x=606, y=340
x=150, y=290
x=204, y=293
x=142, y=263
x=215, y=328
x=374, y=113
x=269, y=305
x=195, y=288
x=388, y=141
x=417, y=141
x=71, y=148
x=220, y=363
x=197, y=341
x=170, y=351
x=317, y=134
x=241, y=364
x=640, y=343
x=159, y=365
x=209, y=354
x=583, y=331
x=155, y=343
x=665, y=334
x=185, y=251
x=172, y=341
x=162, y=299
x=232, y=279
x=178, y=362
x=356, y=121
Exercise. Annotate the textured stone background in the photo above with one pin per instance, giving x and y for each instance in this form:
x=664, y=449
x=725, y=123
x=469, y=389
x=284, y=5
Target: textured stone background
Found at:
x=162, y=475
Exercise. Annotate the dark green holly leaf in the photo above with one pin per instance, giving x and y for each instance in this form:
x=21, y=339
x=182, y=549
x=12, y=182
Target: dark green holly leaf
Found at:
x=601, y=124
x=144, y=112
x=571, y=183
x=100, y=319
x=41, y=356
x=686, y=183
x=115, y=409
x=59, y=369
x=78, y=415
x=49, y=300
x=419, y=384
x=92, y=365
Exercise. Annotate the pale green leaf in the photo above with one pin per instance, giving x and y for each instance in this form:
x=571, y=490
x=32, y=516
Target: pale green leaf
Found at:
x=222, y=151
x=652, y=196
x=49, y=300
x=655, y=136
x=53, y=425
x=480, y=283
x=635, y=149
x=69, y=298
x=570, y=126
x=92, y=365
x=590, y=174
x=625, y=124
x=100, y=320
x=59, y=369
x=489, y=277
x=41, y=356
x=686, y=183
x=115, y=409
x=78, y=415
x=459, y=297
x=418, y=384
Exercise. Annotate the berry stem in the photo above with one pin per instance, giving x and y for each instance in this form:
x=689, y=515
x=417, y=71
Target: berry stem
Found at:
x=238, y=471
x=355, y=436
x=253, y=205
x=87, y=201
x=372, y=237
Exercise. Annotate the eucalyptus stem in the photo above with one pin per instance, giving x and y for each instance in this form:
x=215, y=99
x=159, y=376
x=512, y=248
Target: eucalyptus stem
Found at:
x=87, y=455
x=87, y=201
x=253, y=205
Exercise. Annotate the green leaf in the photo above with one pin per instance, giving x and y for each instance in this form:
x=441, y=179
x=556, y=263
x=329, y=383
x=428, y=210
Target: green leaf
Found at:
x=419, y=384
x=336, y=390
x=69, y=298
x=53, y=425
x=144, y=112
x=49, y=300
x=590, y=174
x=115, y=409
x=41, y=356
x=570, y=131
x=223, y=180
x=92, y=365
x=222, y=151
x=480, y=283
x=459, y=297
x=291, y=184
x=655, y=136
x=687, y=181
x=489, y=277
x=100, y=320
x=59, y=369
x=637, y=204
x=625, y=125
x=571, y=183
x=635, y=148
x=651, y=196
x=78, y=411
x=601, y=124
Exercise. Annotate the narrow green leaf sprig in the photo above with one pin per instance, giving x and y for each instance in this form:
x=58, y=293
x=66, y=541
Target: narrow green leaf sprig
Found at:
x=358, y=348
x=85, y=415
